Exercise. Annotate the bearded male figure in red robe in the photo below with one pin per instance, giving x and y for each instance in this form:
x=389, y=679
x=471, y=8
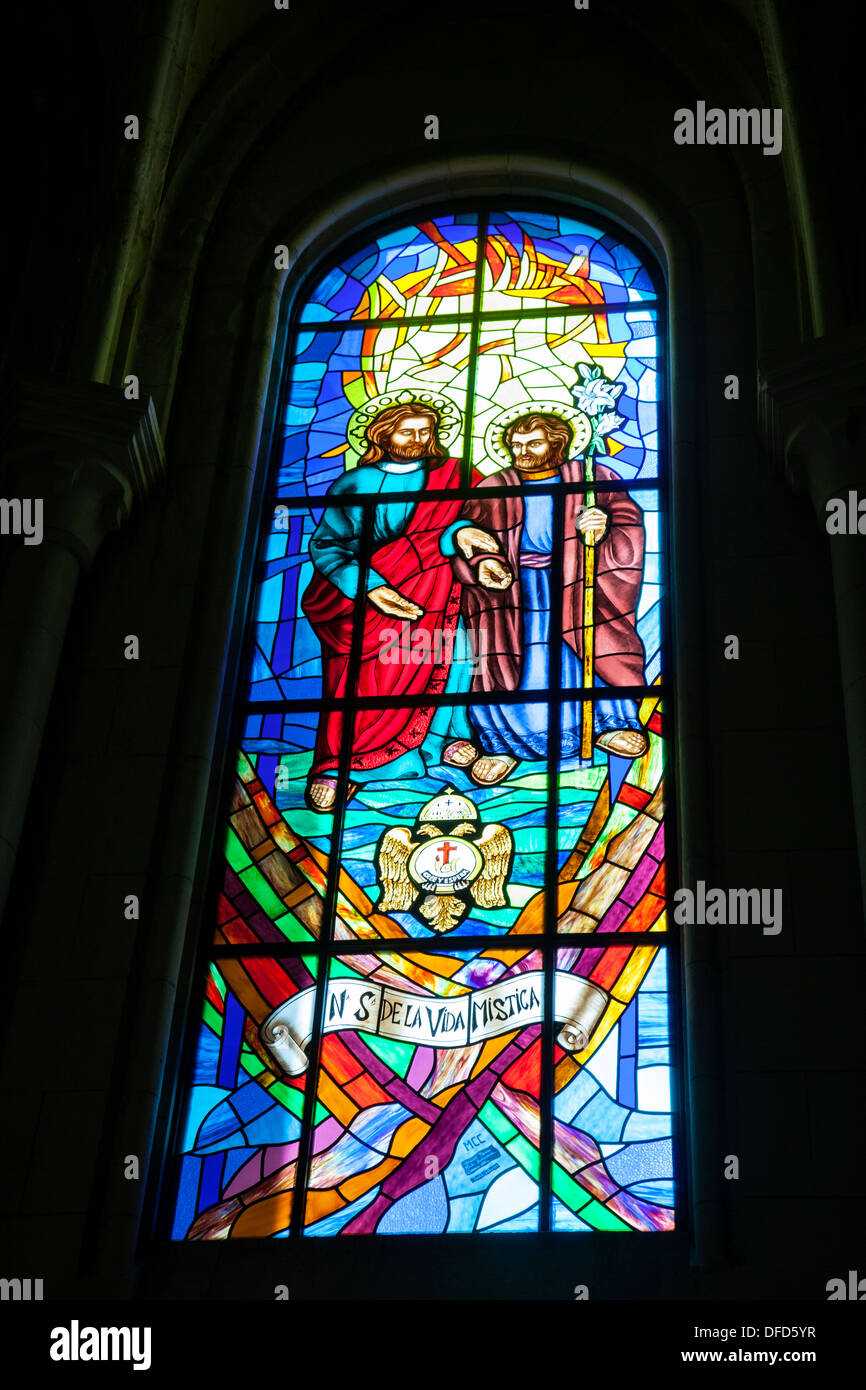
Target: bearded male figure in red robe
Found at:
x=506, y=603
x=410, y=580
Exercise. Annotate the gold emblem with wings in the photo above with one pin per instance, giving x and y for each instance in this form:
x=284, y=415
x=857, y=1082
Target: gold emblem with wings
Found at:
x=450, y=860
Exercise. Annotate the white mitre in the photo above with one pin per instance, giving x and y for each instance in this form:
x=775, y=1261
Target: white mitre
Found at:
x=449, y=805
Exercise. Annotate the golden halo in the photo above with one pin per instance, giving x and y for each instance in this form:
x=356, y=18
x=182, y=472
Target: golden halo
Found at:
x=494, y=442
x=449, y=415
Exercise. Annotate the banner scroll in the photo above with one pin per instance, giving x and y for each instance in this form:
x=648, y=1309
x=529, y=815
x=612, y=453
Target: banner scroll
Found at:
x=432, y=1021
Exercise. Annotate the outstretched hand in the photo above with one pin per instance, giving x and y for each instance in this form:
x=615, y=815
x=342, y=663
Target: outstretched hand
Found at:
x=393, y=604
x=472, y=540
x=494, y=574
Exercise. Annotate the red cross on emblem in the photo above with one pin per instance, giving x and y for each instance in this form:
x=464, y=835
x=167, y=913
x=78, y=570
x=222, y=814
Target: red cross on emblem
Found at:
x=445, y=852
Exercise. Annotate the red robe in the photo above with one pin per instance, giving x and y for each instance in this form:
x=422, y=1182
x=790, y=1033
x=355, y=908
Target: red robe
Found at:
x=414, y=566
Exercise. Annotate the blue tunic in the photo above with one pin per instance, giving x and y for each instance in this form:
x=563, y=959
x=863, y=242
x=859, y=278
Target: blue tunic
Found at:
x=336, y=541
x=522, y=730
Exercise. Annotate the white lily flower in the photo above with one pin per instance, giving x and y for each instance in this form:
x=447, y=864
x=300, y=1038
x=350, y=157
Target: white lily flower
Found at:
x=592, y=396
x=608, y=422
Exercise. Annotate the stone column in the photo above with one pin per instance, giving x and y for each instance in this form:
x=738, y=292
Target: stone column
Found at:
x=812, y=413
x=88, y=455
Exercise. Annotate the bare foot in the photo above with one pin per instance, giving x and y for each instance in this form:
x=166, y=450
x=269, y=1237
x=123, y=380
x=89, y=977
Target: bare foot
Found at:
x=488, y=771
x=460, y=754
x=322, y=793
x=626, y=743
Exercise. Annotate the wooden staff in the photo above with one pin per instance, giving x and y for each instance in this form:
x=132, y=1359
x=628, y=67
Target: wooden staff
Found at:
x=588, y=607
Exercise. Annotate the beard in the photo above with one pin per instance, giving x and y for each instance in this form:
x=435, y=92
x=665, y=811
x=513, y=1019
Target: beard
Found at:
x=533, y=465
x=402, y=452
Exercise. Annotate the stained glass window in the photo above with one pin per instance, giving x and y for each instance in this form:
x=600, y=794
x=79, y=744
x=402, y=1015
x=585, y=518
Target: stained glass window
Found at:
x=449, y=787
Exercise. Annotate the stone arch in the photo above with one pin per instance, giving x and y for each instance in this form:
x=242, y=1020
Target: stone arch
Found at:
x=565, y=182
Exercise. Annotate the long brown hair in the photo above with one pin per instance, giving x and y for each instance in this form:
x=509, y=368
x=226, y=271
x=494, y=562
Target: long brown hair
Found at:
x=557, y=433
x=384, y=424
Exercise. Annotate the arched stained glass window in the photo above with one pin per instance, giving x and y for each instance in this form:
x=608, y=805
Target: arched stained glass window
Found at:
x=438, y=993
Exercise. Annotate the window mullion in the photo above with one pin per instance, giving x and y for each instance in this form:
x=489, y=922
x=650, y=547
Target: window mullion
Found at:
x=329, y=906
x=474, y=341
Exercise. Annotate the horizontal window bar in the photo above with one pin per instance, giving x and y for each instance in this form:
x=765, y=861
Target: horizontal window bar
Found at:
x=492, y=697
x=434, y=945
x=480, y=316
x=544, y=489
